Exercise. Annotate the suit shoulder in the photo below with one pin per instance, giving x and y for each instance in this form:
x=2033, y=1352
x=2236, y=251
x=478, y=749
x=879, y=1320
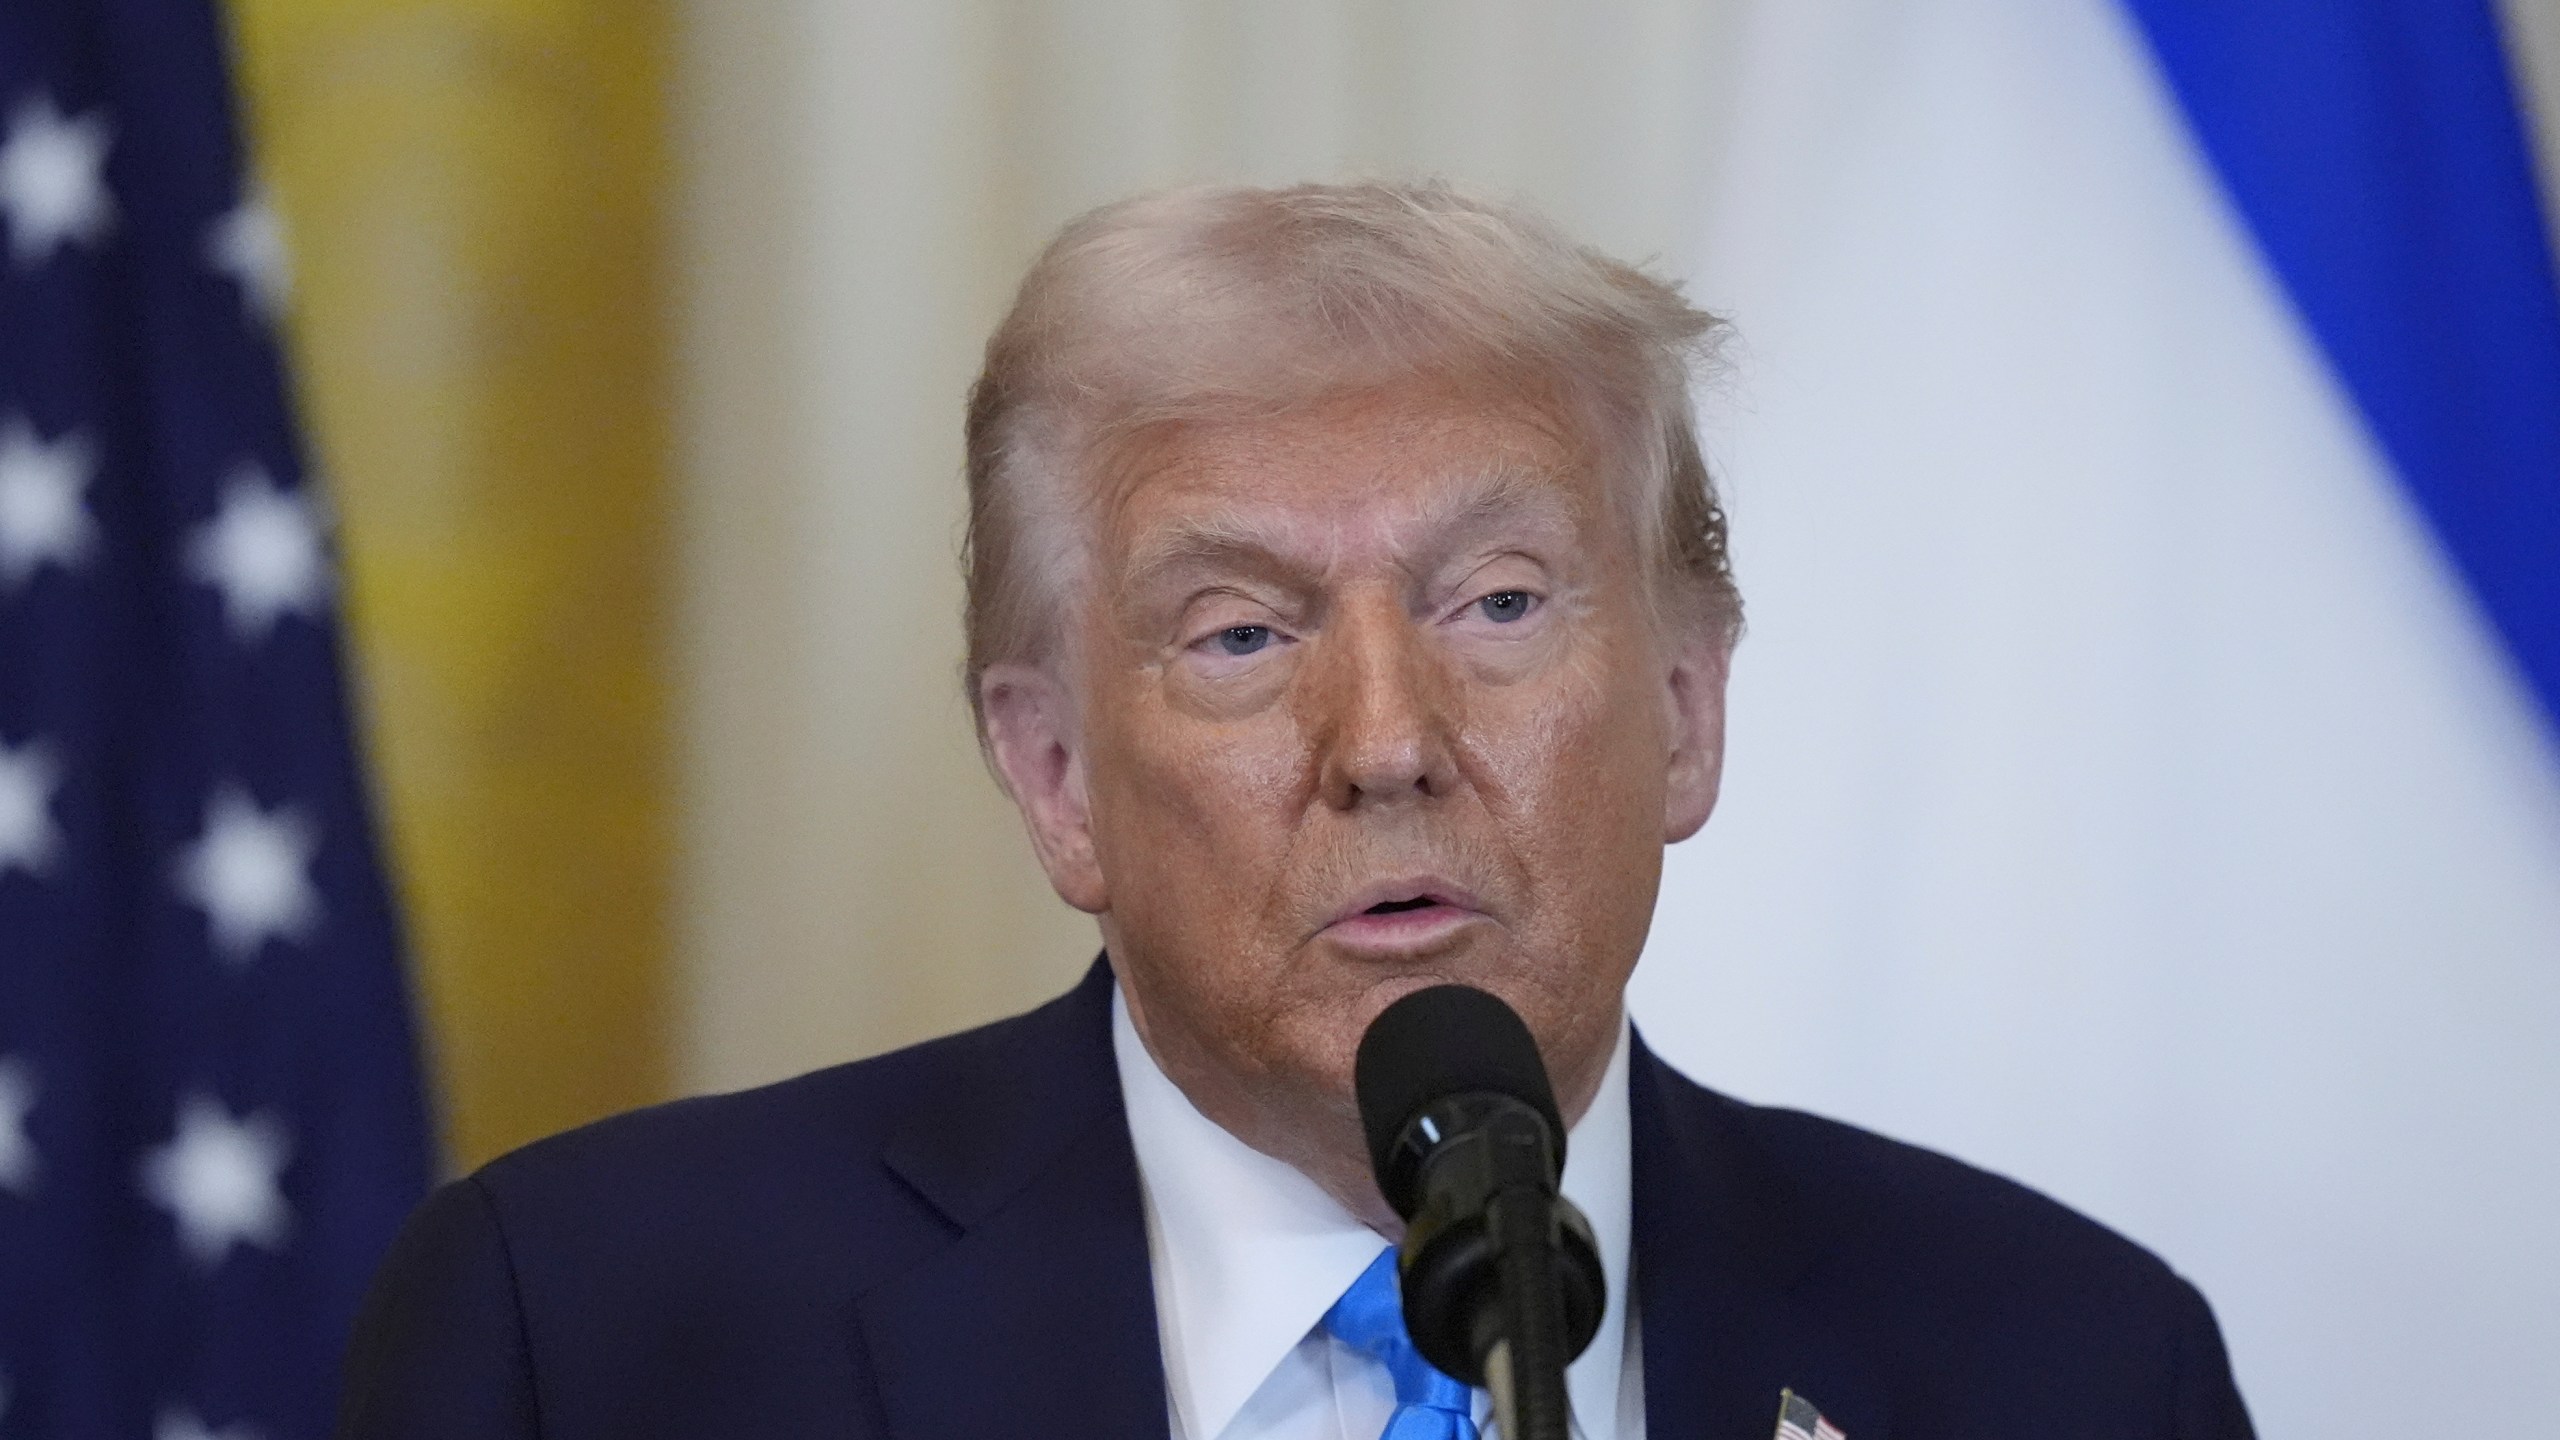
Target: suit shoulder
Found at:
x=810, y=1143
x=1968, y=1288
x=1890, y=1205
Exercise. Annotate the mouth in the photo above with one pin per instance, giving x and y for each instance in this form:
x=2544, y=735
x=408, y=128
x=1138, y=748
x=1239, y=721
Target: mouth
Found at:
x=1403, y=917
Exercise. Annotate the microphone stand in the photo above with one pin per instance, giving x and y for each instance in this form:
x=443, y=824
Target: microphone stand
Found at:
x=1524, y=1367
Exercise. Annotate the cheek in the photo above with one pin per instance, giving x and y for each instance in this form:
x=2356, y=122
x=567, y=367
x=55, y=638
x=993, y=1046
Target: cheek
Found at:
x=1190, y=819
x=1583, y=747
x=1577, y=774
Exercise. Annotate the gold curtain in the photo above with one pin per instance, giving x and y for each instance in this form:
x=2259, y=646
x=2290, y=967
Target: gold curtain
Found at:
x=472, y=190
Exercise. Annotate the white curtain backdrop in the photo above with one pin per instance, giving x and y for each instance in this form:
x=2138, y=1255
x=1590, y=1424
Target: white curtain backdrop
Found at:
x=2123, y=792
x=2116, y=799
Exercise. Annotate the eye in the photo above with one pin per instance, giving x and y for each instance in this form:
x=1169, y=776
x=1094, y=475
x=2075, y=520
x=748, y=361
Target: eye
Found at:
x=1242, y=639
x=1504, y=606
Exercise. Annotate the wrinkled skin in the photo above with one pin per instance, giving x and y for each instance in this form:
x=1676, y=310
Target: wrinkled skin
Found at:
x=1396, y=647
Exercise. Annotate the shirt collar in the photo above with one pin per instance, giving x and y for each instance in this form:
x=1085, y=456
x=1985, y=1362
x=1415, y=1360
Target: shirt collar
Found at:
x=1249, y=1253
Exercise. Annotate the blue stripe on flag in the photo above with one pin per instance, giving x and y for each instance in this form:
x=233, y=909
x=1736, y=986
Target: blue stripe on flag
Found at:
x=2374, y=148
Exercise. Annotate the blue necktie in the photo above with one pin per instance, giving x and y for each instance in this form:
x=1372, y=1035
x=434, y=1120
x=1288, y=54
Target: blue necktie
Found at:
x=1370, y=1319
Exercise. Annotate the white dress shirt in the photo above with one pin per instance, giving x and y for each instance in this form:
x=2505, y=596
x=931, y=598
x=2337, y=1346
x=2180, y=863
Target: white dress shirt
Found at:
x=1249, y=1254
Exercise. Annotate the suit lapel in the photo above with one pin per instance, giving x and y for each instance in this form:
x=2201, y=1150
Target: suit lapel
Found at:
x=1038, y=1318
x=1725, y=1271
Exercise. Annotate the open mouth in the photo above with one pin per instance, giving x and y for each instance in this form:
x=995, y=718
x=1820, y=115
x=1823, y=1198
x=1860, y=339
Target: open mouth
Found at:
x=1403, y=912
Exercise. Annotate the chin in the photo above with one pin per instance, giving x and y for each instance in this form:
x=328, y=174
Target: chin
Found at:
x=1324, y=1031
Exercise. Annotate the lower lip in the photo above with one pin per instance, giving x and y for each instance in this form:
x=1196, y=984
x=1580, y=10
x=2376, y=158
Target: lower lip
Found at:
x=1400, y=931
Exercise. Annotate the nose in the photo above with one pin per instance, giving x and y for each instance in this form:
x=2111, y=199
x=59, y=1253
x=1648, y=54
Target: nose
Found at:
x=1382, y=703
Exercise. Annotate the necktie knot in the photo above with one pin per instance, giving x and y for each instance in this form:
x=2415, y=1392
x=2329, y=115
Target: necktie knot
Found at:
x=1370, y=1319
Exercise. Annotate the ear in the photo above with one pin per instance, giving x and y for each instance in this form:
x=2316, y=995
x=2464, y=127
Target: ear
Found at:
x=1038, y=750
x=1695, y=692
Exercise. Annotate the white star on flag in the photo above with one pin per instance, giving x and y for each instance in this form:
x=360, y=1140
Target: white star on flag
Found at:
x=53, y=185
x=28, y=839
x=247, y=243
x=251, y=874
x=218, y=1176
x=262, y=550
x=17, y=1101
x=179, y=1423
x=42, y=517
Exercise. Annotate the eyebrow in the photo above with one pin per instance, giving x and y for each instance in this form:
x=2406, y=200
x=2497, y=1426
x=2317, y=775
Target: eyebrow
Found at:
x=1230, y=539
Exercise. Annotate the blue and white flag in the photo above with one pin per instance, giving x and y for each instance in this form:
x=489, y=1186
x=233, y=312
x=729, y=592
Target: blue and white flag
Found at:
x=210, y=1111
x=2144, y=765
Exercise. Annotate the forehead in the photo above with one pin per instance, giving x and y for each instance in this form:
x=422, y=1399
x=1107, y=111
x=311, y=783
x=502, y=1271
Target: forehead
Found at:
x=1380, y=466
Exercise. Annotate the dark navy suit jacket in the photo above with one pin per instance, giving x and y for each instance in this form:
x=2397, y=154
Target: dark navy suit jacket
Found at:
x=947, y=1243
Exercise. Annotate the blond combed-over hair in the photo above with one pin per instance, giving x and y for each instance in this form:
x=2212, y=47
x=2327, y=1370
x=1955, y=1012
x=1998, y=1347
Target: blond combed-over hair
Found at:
x=1231, y=302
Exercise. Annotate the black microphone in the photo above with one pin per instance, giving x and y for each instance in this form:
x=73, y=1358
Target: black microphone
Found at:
x=1500, y=1278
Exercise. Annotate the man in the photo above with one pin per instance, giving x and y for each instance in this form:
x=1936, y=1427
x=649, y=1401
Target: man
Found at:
x=1348, y=613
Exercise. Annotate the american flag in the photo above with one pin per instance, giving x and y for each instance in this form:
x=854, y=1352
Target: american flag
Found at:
x=1798, y=1420
x=210, y=1111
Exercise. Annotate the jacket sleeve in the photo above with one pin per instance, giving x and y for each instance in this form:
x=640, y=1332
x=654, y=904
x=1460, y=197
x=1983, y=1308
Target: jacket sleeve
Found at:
x=2207, y=1398
x=439, y=1346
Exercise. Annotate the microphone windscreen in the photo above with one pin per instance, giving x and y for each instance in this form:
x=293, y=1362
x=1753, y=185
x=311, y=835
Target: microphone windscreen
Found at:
x=1447, y=1040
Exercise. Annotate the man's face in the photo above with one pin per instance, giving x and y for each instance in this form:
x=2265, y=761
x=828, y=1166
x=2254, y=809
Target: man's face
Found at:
x=1368, y=699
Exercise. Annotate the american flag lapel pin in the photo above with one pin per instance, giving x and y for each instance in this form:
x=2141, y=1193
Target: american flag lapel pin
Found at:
x=1798, y=1420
